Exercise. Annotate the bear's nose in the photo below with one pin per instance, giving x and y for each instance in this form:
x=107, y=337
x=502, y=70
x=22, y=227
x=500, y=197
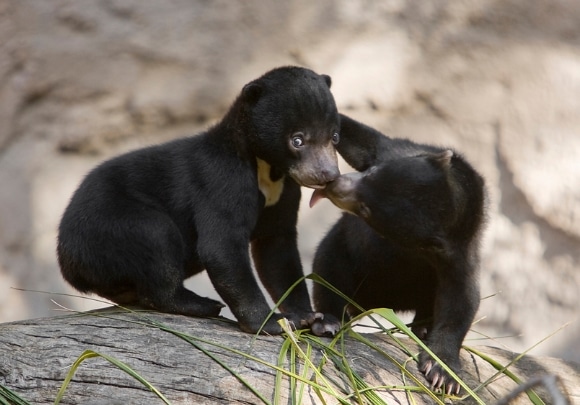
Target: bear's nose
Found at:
x=329, y=174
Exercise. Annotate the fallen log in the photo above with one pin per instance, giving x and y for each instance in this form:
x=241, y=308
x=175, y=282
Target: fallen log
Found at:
x=210, y=361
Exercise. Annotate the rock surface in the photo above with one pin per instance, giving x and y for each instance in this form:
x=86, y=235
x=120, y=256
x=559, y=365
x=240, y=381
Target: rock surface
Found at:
x=498, y=81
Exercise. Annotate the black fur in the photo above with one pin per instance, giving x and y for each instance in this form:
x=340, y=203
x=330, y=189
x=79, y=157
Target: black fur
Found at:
x=413, y=244
x=143, y=222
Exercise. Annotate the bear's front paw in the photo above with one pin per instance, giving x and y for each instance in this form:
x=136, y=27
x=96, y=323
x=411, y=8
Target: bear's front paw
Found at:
x=320, y=324
x=257, y=325
x=301, y=319
x=438, y=378
x=328, y=326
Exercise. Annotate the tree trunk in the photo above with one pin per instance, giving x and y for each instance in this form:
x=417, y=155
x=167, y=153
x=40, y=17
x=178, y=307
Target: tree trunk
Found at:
x=37, y=354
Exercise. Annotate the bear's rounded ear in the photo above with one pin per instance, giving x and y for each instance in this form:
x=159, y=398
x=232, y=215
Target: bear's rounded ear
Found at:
x=252, y=92
x=364, y=211
x=327, y=79
x=443, y=159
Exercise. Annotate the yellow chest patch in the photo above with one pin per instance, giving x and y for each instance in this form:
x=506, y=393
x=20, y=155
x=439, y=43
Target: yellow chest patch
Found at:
x=271, y=190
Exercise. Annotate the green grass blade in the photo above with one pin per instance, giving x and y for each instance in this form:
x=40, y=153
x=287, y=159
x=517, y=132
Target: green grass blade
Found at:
x=278, y=380
x=87, y=354
x=534, y=398
x=304, y=373
x=8, y=397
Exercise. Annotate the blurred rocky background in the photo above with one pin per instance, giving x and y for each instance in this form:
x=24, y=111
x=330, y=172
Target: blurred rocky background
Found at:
x=498, y=80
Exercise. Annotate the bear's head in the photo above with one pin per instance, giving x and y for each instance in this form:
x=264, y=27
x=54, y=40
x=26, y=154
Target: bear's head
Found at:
x=294, y=124
x=399, y=198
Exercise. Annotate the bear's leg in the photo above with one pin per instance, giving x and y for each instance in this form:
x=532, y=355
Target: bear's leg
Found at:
x=332, y=306
x=224, y=252
x=159, y=253
x=335, y=266
x=179, y=300
x=278, y=265
x=456, y=302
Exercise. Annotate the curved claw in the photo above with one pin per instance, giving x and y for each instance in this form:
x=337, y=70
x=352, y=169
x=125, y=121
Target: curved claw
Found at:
x=452, y=387
x=436, y=381
x=318, y=316
x=426, y=369
x=311, y=318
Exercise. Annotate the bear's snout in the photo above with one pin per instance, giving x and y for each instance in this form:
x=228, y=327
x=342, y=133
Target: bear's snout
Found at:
x=328, y=175
x=341, y=191
x=314, y=176
x=316, y=167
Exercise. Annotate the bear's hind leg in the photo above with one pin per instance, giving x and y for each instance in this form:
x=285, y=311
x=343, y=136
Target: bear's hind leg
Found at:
x=180, y=300
x=160, y=268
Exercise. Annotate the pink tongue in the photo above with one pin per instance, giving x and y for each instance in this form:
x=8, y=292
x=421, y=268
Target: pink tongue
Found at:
x=317, y=195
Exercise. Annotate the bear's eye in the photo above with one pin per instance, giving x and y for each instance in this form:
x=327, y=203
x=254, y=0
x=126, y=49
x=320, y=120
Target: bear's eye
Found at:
x=297, y=141
x=335, y=138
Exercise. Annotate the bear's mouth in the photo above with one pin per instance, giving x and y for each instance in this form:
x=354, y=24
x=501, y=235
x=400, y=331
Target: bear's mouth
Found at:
x=316, y=186
x=342, y=192
x=314, y=176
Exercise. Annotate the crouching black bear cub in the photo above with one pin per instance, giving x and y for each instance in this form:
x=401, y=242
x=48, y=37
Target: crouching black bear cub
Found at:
x=413, y=244
x=141, y=223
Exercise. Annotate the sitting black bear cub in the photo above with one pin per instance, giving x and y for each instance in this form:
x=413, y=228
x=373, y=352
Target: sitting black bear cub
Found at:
x=413, y=244
x=141, y=223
